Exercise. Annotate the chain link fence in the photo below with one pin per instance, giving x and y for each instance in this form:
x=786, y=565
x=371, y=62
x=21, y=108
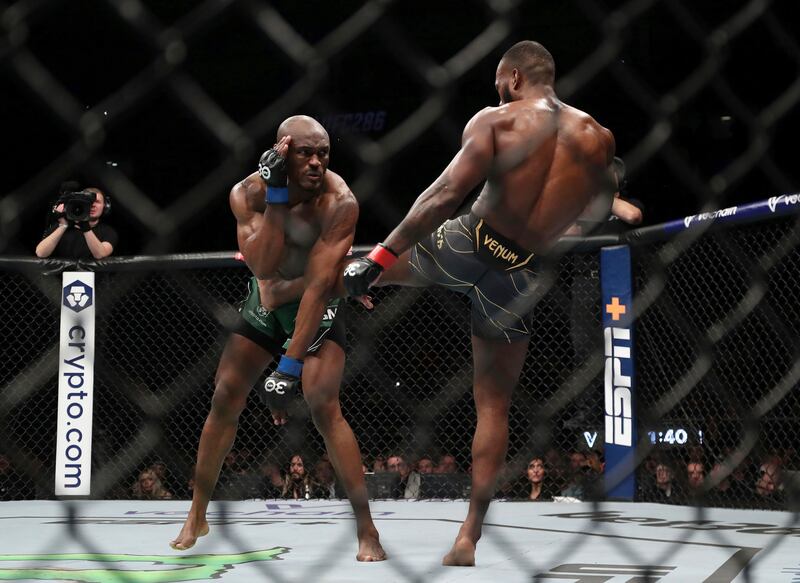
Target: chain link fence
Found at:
x=717, y=327
x=716, y=380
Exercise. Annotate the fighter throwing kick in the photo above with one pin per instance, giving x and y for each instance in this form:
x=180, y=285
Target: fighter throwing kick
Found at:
x=546, y=165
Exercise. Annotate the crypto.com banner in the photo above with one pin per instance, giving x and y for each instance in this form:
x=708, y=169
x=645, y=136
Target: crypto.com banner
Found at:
x=73, y=471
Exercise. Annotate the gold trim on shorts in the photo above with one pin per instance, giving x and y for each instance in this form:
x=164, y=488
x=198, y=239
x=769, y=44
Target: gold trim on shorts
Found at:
x=498, y=251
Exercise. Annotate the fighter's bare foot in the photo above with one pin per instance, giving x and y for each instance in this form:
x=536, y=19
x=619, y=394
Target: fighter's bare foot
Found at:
x=370, y=549
x=189, y=535
x=461, y=555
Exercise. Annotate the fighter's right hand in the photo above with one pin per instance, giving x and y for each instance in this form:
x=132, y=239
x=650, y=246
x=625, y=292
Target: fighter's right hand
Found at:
x=272, y=168
x=360, y=274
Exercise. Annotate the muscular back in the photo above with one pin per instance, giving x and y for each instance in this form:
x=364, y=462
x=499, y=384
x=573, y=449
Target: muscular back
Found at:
x=550, y=163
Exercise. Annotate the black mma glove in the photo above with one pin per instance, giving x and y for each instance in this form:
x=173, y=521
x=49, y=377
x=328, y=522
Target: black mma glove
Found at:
x=360, y=274
x=272, y=168
x=283, y=385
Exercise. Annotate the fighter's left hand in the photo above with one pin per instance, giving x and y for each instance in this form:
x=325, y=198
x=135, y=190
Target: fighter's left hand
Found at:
x=280, y=389
x=282, y=386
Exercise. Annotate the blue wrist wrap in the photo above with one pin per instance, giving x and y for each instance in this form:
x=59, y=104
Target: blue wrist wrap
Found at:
x=277, y=195
x=290, y=366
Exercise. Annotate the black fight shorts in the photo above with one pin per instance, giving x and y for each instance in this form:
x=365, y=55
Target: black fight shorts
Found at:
x=467, y=256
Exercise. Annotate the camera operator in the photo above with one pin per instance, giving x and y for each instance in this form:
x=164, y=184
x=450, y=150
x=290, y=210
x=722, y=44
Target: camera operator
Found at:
x=78, y=232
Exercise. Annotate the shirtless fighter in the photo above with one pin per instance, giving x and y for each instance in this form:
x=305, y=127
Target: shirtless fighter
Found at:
x=547, y=165
x=295, y=225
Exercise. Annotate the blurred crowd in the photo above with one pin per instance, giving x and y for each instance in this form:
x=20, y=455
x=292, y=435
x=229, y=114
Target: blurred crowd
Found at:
x=686, y=478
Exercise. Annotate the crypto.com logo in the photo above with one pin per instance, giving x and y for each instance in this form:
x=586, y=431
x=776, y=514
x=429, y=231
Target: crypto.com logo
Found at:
x=181, y=567
x=78, y=296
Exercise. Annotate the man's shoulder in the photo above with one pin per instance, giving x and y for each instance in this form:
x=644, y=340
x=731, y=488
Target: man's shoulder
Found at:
x=246, y=195
x=338, y=193
x=249, y=184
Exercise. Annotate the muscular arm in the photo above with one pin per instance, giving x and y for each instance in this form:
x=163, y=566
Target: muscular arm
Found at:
x=260, y=236
x=322, y=272
x=441, y=199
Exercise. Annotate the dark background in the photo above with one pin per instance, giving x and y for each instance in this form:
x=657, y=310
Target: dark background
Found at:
x=165, y=105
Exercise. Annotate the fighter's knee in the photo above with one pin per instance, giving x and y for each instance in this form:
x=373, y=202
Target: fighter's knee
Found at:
x=228, y=400
x=324, y=410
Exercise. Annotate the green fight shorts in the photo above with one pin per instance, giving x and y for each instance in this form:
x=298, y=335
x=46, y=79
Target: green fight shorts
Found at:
x=272, y=330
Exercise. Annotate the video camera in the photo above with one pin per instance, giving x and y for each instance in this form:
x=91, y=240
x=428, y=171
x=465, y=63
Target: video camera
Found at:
x=77, y=205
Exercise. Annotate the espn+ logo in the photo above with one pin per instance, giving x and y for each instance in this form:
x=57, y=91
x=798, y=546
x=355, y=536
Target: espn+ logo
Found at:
x=617, y=386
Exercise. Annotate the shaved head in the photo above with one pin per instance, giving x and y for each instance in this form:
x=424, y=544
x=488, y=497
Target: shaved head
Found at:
x=300, y=125
x=532, y=60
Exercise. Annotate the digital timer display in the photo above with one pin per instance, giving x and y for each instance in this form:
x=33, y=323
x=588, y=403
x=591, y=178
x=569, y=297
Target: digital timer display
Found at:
x=675, y=436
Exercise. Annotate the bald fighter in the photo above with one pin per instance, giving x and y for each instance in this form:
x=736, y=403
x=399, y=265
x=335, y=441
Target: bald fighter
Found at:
x=547, y=165
x=295, y=225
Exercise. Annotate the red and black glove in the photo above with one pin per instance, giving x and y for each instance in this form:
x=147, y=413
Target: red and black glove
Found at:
x=360, y=274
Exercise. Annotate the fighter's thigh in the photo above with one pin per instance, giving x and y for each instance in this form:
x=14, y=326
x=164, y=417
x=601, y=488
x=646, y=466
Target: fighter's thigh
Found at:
x=401, y=273
x=322, y=374
x=241, y=364
x=498, y=365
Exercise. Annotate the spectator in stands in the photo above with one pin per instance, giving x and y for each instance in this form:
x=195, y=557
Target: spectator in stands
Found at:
x=534, y=485
x=299, y=484
x=729, y=489
x=379, y=464
x=148, y=487
x=769, y=484
x=663, y=489
x=425, y=465
x=14, y=485
x=577, y=469
x=585, y=476
x=160, y=468
x=695, y=474
x=325, y=477
x=447, y=464
x=408, y=485
x=695, y=479
x=577, y=460
x=91, y=238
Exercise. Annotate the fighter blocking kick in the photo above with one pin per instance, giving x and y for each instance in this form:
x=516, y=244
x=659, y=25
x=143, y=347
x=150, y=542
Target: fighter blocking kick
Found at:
x=546, y=165
x=295, y=222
